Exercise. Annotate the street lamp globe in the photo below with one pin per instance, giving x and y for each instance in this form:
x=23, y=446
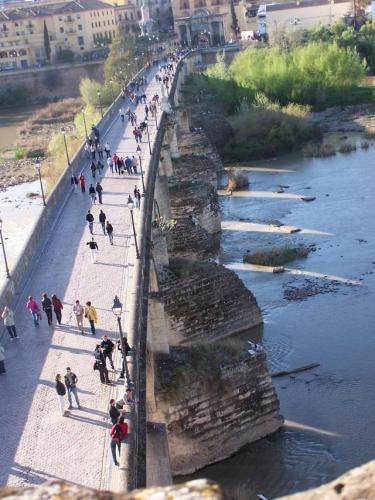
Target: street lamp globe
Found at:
x=117, y=307
x=63, y=131
x=37, y=164
x=98, y=93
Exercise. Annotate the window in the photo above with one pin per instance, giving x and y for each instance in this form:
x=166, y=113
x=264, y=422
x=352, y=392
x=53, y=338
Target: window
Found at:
x=103, y=23
x=69, y=18
x=139, y=14
x=119, y=17
x=78, y=16
x=184, y=5
x=16, y=24
x=106, y=34
x=131, y=16
x=96, y=24
x=126, y=16
x=92, y=25
x=61, y=29
x=99, y=24
x=82, y=48
x=80, y=27
x=81, y=40
x=113, y=22
x=17, y=33
x=94, y=37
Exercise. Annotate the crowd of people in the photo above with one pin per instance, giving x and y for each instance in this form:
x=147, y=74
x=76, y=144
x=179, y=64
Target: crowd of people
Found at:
x=52, y=307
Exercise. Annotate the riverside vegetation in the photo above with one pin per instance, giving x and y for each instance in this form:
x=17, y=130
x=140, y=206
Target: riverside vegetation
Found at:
x=269, y=93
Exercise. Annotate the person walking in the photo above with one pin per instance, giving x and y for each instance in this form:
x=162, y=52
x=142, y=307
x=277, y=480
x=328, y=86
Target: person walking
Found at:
x=93, y=151
x=137, y=196
x=118, y=432
x=92, y=193
x=47, y=307
x=122, y=114
x=93, y=250
x=61, y=392
x=147, y=109
x=110, y=163
x=102, y=219
x=93, y=170
x=109, y=229
x=113, y=412
x=34, y=309
x=82, y=183
x=99, y=190
x=78, y=310
x=9, y=323
x=100, y=151
x=91, y=315
x=2, y=360
x=57, y=307
x=128, y=165
x=107, y=149
x=74, y=183
x=134, y=164
x=90, y=220
x=108, y=347
x=71, y=381
x=100, y=364
x=99, y=169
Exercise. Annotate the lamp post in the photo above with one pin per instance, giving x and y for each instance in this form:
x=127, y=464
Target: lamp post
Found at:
x=3, y=246
x=130, y=205
x=148, y=136
x=111, y=84
x=100, y=102
x=117, y=311
x=139, y=151
x=84, y=120
x=66, y=150
x=37, y=166
x=156, y=115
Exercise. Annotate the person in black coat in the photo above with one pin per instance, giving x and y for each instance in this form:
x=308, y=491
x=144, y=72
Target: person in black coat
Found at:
x=100, y=364
x=61, y=394
x=99, y=190
x=47, y=307
x=113, y=412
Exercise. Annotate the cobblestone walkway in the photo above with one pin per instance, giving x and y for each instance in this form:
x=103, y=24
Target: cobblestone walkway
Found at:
x=37, y=443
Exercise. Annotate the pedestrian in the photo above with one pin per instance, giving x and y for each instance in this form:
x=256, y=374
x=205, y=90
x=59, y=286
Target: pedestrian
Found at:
x=100, y=364
x=92, y=193
x=34, y=309
x=61, y=392
x=137, y=195
x=82, y=183
x=122, y=115
x=93, y=246
x=74, y=183
x=109, y=229
x=108, y=347
x=107, y=149
x=114, y=159
x=102, y=218
x=91, y=315
x=100, y=151
x=2, y=360
x=120, y=165
x=136, y=135
x=93, y=169
x=47, y=307
x=71, y=381
x=8, y=317
x=87, y=150
x=99, y=168
x=147, y=109
x=134, y=164
x=113, y=411
x=99, y=190
x=78, y=311
x=57, y=307
x=110, y=163
x=90, y=220
x=118, y=432
x=128, y=165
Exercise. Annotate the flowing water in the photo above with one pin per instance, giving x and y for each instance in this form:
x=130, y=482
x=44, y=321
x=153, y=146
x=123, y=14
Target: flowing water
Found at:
x=329, y=411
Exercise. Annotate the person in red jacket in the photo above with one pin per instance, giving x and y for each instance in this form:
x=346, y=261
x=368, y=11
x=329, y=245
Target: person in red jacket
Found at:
x=118, y=432
x=57, y=307
x=82, y=183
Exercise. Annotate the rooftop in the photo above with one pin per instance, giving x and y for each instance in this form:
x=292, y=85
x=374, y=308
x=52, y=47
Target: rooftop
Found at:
x=50, y=9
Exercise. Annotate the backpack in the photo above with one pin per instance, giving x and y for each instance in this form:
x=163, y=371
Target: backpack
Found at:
x=117, y=434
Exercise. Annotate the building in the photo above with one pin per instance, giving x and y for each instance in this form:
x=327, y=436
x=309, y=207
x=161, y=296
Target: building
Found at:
x=128, y=15
x=210, y=20
x=301, y=14
x=77, y=27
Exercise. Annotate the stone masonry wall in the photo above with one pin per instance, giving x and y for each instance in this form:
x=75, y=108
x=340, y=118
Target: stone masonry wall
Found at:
x=207, y=303
x=209, y=421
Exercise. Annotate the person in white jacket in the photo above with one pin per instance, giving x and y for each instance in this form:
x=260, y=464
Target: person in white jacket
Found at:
x=8, y=317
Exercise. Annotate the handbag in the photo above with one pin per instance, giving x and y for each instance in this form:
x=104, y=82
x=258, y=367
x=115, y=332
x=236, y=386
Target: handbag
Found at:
x=95, y=365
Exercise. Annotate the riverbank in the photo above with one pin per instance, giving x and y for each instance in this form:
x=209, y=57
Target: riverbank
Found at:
x=30, y=139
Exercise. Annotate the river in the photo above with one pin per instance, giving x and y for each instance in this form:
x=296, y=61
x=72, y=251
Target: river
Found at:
x=329, y=411
x=10, y=120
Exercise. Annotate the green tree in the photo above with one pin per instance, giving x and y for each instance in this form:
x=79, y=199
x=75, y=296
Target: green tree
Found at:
x=47, y=46
x=125, y=58
x=89, y=91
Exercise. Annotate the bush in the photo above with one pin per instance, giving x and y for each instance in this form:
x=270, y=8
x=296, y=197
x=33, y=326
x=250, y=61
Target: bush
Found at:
x=88, y=89
x=276, y=256
x=19, y=153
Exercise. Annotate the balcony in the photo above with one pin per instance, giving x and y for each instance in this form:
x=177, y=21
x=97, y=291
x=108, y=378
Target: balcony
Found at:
x=69, y=20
